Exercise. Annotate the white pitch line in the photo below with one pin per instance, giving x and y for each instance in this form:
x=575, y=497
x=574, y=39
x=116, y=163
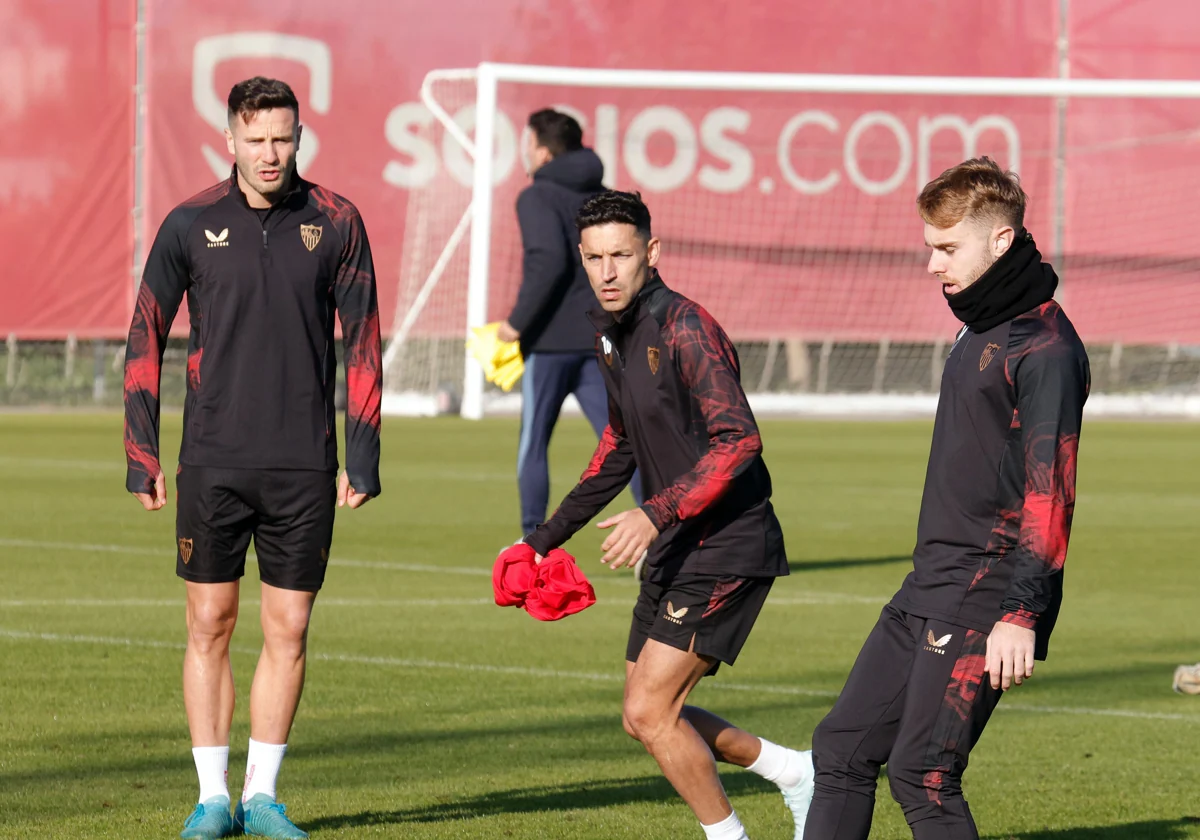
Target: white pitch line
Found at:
x=118, y=466
x=818, y=600
x=107, y=641
x=474, y=571
x=92, y=602
x=799, y=599
x=549, y=673
x=1083, y=710
x=824, y=598
x=356, y=659
x=324, y=602
x=75, y=465
x=409, y=602
x=50, y=545
x=71, y=546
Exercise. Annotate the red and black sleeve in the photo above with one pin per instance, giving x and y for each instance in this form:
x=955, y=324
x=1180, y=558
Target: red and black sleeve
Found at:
x=165, y=279
x=708, y=365
x=358, y=307
x=611, y=468
x=1051, y=381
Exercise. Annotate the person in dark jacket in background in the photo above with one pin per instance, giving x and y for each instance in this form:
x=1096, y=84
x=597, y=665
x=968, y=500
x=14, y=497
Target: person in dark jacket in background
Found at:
x=549, y=318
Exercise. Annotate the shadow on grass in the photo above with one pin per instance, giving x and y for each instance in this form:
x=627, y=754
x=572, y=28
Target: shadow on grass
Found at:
x=373, y=738
x=1151, y=830
x=573, y=797
x=846, y=563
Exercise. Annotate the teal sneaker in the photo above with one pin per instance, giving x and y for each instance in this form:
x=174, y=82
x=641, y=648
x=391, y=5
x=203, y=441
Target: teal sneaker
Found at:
x=800, y=797
x=262, y=816
x=209, y=821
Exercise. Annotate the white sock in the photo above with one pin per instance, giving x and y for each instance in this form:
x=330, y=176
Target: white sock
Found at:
x=212, y=768
x=785, y=767
x=730, y=828
x=262, y=769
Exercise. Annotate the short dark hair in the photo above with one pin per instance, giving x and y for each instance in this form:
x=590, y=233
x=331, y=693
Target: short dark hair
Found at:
x=615, y=207
x=249, y=97
x=558, y=132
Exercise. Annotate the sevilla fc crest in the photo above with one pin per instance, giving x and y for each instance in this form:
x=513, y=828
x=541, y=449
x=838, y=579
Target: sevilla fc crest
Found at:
x=185, y=550
x=652, y=358
x=989, y=353
x=311, y=234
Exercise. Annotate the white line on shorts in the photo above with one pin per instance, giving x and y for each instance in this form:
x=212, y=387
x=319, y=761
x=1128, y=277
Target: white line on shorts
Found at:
x=550, y=673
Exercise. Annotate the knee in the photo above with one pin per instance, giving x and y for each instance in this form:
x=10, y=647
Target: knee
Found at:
x=825, y=750
x=629, y=730
x=210, y=625
x=644, y=718
x=839, y=759
x=916, y=787
x=905, y=781
x=286, y=628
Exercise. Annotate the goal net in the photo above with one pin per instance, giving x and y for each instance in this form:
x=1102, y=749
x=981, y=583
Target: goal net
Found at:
x=786, y=207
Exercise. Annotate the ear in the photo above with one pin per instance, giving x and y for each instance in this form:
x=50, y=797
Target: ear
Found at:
x=299, y=134
x=229, y=141
x=1002, y=240
x=652, y=251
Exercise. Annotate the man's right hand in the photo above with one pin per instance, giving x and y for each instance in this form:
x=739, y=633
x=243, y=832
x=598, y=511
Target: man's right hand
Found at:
x=505, y=332
x=347, y=496
x=155, y=500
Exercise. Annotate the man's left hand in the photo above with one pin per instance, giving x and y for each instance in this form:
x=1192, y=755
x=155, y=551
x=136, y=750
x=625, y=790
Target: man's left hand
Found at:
x=347, y=496
x=505, y=332
x=1009, y=655
x=631, y=536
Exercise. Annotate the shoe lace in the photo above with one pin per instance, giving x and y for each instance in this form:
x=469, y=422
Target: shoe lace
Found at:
x=277, y=807
x=196, y=816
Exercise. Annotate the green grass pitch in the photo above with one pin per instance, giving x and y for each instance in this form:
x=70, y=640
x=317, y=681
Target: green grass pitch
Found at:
x=431, y=713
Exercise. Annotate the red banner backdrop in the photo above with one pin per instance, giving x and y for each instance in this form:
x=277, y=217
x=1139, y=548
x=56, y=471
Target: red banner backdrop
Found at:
x=793, y=215
x=66, y=167
x=368, y=137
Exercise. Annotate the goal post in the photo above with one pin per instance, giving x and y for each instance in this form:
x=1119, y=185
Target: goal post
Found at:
x=786, y=204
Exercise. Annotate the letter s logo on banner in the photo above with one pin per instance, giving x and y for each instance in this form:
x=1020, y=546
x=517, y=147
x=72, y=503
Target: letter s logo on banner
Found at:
x=211, y=105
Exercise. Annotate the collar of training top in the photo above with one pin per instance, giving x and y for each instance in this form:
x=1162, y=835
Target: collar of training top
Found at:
x=1014, y=284
x=296, y=188
x=648, y=294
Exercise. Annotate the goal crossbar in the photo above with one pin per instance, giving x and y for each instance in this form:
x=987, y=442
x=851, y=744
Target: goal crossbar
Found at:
x=488, y=76
x=825, y=82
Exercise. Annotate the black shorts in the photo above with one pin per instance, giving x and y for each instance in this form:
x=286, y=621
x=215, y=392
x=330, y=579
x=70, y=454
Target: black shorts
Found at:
x=289, y=513
x=708, y=615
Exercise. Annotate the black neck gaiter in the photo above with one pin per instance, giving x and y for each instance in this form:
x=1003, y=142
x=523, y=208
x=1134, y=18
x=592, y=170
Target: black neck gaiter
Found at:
x=1014, y=284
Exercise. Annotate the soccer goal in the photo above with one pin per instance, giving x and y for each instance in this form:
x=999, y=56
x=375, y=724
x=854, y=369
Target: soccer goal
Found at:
x=786, y=207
